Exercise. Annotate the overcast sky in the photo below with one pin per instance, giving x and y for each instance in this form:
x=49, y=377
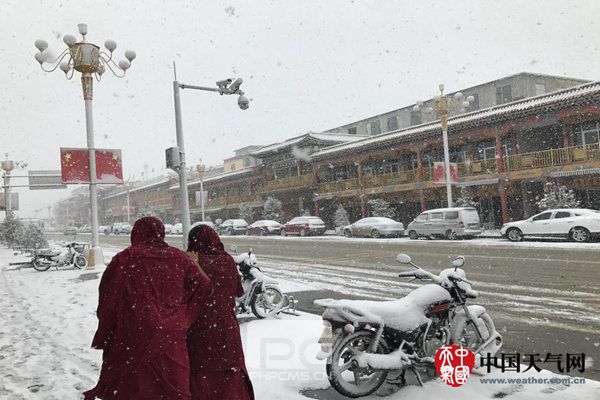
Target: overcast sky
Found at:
x=306, y=65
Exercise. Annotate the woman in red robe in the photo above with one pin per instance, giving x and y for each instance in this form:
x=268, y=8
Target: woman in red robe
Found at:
x=149, y=296
x=217, y=367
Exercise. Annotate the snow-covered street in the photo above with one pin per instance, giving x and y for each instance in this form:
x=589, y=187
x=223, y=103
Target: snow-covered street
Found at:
x=49, y=320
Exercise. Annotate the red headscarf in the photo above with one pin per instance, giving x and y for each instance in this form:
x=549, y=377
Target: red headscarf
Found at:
x=149, y=295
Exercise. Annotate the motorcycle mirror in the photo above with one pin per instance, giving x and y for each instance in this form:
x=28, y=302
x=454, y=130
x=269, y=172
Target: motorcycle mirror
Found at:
x=403, y=258
x=250, y=251
x=458, y=262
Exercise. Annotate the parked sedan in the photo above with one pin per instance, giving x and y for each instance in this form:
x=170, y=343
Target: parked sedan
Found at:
x=70, y=230
x=233, y=227
x=576, y=224
x=303, y=226
x=177, y=229
x=264, y=227
x=374, y=227
x=208, y=223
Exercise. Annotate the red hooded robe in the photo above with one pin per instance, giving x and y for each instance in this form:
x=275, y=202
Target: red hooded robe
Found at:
x=217, y=367
x=149, y=296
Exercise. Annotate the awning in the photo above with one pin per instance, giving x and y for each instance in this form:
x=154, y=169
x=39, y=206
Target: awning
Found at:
x=576, y=172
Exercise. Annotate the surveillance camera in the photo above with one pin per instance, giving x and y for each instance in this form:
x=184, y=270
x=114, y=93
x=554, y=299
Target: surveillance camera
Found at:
x=234, y=87
x=223, y=84
x=243, y=102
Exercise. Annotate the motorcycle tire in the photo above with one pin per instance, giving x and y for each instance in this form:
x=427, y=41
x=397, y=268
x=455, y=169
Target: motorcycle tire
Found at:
x=41, y=264
x=264, y=303
x=341, y=350
x=79, y=261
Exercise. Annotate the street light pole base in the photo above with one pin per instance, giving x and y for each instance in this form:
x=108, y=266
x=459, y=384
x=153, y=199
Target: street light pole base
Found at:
x=95, y=257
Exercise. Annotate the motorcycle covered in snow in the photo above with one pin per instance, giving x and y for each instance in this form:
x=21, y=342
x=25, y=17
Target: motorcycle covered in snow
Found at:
x=369, y=343
x=45, y=259
x=261, y=293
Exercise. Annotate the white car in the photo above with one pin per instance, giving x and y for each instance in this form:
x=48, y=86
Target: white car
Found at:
x=168, y=229
x=233, y=227
x=177, y=229
x=576, y=224
x=374, y=227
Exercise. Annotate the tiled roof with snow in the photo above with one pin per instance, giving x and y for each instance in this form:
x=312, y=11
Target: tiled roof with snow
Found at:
x=475, y=118
x=325, y=137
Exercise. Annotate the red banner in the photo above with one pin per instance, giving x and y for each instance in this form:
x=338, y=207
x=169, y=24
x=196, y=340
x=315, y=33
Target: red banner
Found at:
x=75, y=168
x=439, y=174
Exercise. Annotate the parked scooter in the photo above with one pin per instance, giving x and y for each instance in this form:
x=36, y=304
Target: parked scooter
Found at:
x=261, y=293
x=44, y=259
x=364, y=342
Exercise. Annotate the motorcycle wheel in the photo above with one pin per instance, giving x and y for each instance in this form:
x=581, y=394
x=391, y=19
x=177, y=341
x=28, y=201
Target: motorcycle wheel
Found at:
x=266, y=302
x=345, y=376
x=41, y=264
x=79, y=261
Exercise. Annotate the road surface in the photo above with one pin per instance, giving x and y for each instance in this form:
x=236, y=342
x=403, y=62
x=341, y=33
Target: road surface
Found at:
x=542, y=299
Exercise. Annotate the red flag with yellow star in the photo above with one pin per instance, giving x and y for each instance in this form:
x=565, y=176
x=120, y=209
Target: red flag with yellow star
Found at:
x=74, y=166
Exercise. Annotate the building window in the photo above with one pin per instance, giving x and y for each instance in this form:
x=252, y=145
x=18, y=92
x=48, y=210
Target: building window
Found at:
x=475, y=103
x=415, y=118
x=375, y=127
x=503, y=94
x=352, y=131
x=540, y=88
x=587, y=133
x=392, y=123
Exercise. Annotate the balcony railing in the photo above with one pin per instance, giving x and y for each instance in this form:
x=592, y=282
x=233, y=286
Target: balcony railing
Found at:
x=227, y=200
x=477, y=167
x=337, y=186
x=553, y=157
x=393, y=178
x=289, y=183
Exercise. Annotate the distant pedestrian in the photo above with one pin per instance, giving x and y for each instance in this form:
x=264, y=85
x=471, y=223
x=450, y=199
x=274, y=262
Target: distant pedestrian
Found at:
x=149, y=296
x=217, y=367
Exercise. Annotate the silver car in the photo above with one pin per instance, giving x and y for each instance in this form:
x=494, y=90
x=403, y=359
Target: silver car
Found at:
x=449, y=223
x=374, y=227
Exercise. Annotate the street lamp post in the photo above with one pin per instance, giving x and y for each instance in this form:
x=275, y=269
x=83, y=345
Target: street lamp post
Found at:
x=200, y=168
x=90, y=61
x=226, y=86
x=8, y=166
x=442, y=105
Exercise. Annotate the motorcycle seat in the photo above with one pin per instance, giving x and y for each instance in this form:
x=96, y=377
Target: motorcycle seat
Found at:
x=50, y=253
x=405, y=314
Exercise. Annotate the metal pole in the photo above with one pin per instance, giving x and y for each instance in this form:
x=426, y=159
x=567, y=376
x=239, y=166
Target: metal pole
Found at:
x=202, y=196
x=7, y=202
x=447, y=167
x=183, y=187
x=95, y=255
x=128, y=215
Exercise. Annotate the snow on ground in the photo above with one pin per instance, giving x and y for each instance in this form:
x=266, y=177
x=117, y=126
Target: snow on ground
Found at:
x=48, y=320
x=487, y=241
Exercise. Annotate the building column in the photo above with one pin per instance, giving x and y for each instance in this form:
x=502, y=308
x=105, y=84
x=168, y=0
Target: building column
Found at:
x=500, y=168
x=503, y=202
x=420, y=170
x=420, y=178
x=566, y=135
x=317, y=210
x=298, y=168
x=500, y=165
x=422, y=199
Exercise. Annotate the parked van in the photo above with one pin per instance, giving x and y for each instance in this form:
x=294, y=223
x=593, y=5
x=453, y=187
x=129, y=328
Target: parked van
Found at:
x=450, y=223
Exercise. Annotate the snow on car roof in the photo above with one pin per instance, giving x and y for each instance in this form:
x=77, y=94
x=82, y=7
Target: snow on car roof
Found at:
x=450, y=209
